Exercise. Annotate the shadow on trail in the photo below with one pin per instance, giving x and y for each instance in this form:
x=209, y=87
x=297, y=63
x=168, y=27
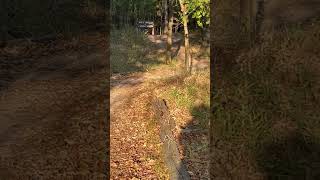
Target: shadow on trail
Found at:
x=194, y=142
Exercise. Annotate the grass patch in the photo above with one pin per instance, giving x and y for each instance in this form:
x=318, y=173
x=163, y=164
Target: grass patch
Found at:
x=131, y=51
x=189, y=101
x=268, y=106
x=190, y=94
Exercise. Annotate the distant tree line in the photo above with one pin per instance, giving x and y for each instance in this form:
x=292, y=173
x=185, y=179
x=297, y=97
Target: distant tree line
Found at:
x=33, y=18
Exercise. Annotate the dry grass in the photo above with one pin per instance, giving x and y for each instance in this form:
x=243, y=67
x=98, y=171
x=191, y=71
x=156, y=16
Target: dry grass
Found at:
x=131, y=51
x=266, y=123
x=188, y=100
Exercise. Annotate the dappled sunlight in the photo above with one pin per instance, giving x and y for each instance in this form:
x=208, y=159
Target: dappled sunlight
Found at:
x=148, y=58
x=194, y=142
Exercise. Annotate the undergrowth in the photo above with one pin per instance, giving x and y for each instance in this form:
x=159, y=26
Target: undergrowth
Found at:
x=266, y=120
x=190, y=94
x=131, y=51
x=188, y=99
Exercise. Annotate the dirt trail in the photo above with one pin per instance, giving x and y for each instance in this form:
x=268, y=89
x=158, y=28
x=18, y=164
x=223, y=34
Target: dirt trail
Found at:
x=132, y=153
x=51, y=118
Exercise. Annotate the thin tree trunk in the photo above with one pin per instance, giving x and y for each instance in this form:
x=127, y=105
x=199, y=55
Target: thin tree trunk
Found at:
x=165, y=16
x=169, y=36
x=247, y=18
x=3, y=26
x=245, y=23
x=188, y=61
x=160, y=27
x=258, y=19
x=253, y=10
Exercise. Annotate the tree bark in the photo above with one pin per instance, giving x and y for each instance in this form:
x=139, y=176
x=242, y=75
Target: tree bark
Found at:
x=253, y=11
x=165, y=17
x=247, y=21
x=4, y=24
x=169, y=36
x=188, y=61
x=259, y=19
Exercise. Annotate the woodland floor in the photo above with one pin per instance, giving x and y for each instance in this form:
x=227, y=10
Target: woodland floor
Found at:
x=52, y=109
x=136, y=150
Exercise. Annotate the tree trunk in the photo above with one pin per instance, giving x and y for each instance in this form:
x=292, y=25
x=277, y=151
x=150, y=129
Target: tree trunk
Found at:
x=3, y=26
x=169, y=36
x=224, y=35
x=253, y=11
x=165, y=17
x=188, y=61
x=247, y=21
x=259, y=19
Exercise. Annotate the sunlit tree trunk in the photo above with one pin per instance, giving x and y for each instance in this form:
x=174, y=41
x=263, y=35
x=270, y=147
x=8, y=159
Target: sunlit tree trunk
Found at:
x=188, y=61
x=169, y=37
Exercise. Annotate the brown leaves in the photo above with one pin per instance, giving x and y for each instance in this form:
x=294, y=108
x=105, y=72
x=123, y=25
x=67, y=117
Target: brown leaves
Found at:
x=135, y=149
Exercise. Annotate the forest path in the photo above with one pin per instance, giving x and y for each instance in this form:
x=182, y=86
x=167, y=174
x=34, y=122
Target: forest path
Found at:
x=135, y=141
x=51, y=118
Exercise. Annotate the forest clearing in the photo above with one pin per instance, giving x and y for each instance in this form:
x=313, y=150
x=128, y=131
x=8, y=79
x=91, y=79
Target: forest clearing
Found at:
x=160, y=89
x=136, y=149
x=264, y=84
x=151, y=59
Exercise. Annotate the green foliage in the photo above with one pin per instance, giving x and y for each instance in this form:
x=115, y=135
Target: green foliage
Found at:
x=200, y=11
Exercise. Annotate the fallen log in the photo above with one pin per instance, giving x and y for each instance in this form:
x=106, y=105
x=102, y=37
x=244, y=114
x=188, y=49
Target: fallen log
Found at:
x=174, y=164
